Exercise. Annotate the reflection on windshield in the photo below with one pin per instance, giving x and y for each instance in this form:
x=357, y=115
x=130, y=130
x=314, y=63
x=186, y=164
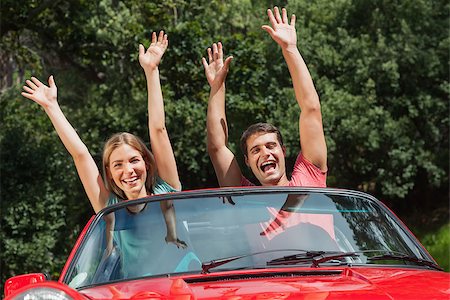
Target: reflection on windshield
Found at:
x=132, y=245
x=125, y=245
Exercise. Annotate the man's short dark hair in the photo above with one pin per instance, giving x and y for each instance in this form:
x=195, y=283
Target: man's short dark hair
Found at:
x=259, y=128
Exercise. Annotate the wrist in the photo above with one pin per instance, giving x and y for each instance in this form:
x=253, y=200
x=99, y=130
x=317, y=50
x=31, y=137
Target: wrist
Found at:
x=151, y=70
x=217, y=87
x=290, y=48
x=52, y=107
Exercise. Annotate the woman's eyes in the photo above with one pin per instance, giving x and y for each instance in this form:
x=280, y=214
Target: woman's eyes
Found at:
x=133, y=161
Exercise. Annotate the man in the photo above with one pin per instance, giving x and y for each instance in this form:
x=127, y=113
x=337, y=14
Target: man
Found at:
x=261, y=143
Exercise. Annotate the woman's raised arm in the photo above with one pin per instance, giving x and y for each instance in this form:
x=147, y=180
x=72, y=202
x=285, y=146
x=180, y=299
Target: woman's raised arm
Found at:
x=46, y=97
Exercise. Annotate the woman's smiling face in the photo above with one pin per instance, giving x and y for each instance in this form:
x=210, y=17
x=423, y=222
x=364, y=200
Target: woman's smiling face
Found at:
x=128, y=170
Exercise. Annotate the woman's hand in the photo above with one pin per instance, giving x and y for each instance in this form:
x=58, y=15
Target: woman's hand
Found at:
x=43, y=95
x=179, y=243
x=151, y=58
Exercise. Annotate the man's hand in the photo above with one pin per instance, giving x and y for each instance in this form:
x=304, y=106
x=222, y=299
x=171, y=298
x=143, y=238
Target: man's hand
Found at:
x=151, y=58
x=40, y=93
x=216, y=70
x=280, y=30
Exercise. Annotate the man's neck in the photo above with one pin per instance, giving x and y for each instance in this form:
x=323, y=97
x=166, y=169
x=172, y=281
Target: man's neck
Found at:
x=283, y=181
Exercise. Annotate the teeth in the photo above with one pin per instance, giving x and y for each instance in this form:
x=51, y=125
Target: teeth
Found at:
x=130, y=180
x=267, y=164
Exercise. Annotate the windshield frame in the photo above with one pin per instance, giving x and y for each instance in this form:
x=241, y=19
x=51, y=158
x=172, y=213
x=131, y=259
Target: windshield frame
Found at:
x=198, y=195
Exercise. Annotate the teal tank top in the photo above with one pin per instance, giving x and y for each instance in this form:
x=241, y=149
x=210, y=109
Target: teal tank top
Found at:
x=141, y=241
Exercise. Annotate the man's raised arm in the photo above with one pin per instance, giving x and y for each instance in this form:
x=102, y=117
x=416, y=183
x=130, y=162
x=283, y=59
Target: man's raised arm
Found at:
x=225, y=165
x=312, y=138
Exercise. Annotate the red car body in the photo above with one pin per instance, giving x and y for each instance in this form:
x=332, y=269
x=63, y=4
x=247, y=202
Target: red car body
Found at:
x=291, y=281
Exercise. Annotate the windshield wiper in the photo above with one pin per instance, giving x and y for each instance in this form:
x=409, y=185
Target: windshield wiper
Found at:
x=206, y=266
x=405, y=257
x=317, y=257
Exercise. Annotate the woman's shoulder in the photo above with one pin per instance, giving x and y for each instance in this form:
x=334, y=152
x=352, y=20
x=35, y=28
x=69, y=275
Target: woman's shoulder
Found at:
x=161, y=187
x=112, y=199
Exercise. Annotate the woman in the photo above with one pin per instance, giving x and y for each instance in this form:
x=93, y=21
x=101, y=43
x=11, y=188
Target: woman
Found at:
x=131, y=171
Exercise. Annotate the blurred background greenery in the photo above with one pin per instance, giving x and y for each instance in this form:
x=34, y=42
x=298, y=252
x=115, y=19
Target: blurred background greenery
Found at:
x=381, y=69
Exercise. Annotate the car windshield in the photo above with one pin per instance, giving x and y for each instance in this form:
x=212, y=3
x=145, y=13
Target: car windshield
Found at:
x=178, y=232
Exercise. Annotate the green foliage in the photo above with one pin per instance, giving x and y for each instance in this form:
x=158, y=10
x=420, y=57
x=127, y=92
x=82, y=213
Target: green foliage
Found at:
x=438, y=245
x=380, y=84
x=36, y=188
x=380, y=67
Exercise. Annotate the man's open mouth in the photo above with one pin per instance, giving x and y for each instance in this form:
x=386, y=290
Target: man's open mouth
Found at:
x=267, y=166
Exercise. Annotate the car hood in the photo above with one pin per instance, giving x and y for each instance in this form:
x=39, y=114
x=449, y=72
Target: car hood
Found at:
x=323, y=283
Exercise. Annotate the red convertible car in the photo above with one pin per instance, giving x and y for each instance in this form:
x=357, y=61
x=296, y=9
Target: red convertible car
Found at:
x=244, y=243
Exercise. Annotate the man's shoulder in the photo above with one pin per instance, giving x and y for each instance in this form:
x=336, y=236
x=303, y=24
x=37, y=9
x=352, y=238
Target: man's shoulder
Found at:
x=306, y=173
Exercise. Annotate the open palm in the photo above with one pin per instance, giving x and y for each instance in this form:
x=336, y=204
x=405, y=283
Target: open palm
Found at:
x=151, y=58
x=216, y=69
x=280, y=30
x=39, y=92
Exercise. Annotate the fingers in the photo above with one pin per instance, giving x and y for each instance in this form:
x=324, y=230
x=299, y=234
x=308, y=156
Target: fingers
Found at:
x=276, y=18
x=293, y=20
x=31, y=84
x=277, y=15
x=269, y=30
x=215, y=52
x=284, y=16
x=205, y=64
x=159, y=40
x=165, y=40
x=51, y=81
x=27, y=89
x=161, y=36
x=272, y=20
x=181, y=244
x=220, y=50
x=36, y=81
x=227, y=62
x=34, y=87
x=210, y=57
x=141, y=50
x=30, y=89
x=28, y=92
x=28, y=96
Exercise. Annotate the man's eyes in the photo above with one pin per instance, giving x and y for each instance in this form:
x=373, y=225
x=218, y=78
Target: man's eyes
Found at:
x=267, y=146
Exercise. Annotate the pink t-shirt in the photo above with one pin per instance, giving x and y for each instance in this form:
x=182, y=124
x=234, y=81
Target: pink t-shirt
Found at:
x=304, y=174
